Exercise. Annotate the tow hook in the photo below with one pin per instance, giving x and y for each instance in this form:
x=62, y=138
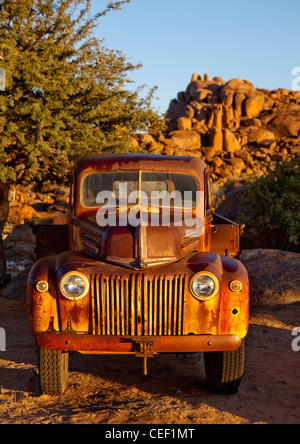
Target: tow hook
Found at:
x=144, y=349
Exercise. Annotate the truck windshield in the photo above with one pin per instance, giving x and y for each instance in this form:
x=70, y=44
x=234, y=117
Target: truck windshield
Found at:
x=132, y=188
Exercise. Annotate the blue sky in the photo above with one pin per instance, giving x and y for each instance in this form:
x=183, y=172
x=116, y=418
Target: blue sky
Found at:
x=258, y=41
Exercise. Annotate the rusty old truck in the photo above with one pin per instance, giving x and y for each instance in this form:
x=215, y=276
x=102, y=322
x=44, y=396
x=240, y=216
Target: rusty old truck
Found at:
x=140, y=264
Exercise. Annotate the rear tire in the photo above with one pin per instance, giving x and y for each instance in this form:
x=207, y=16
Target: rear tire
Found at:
x=224, y=370
x=53, y=371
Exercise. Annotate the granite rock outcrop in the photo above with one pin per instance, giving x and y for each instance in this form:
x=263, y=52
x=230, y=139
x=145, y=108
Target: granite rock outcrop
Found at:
x=235, y=128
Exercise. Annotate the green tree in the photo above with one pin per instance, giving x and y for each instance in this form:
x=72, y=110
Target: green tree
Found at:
x=66, y=93
x=272, y=207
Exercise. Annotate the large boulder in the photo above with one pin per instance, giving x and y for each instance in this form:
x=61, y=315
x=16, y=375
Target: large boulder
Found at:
x=20, y=243
x=215, y=117
x=21, y=233
x=185, y=140
x=259, y=134
x=239, y=86
x=274, y=276
x=285, y=124
x=184, y=124
x=21, y=213
x=215, y=136
x=254, y=105
x=237, y=165
x=230, y=142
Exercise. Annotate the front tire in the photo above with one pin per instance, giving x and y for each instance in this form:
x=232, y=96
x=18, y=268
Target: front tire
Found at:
x=224, y=370
x=53, y=371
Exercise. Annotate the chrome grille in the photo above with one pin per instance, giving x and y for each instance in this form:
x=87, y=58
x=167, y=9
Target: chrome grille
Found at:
x=138, y=304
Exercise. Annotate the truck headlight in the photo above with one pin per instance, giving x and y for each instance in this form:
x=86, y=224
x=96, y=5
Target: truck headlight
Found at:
x=204, y=286
x=74, y=286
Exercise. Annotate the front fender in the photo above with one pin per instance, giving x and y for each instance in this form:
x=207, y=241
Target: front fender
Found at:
x=234, y=306
x=42, y=307
x=51, y=306
x=228, y=312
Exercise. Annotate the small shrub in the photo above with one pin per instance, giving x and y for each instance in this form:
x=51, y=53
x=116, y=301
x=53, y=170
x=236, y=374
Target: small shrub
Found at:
x=272, y=206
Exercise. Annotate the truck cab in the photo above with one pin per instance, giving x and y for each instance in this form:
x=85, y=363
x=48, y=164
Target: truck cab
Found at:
x=139, y=265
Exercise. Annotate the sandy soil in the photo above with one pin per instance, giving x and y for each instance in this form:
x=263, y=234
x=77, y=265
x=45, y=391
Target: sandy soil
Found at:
x=113, y=390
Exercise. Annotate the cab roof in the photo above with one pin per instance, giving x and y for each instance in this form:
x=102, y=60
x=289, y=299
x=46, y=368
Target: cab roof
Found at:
x=136, y=162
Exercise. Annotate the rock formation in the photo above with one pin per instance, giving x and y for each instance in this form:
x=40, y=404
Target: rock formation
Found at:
x=273, y=281
x=234, y=127
x=28, y=203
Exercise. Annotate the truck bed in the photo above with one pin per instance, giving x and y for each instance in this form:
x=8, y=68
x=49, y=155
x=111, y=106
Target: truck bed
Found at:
x=52, y=236
x=225, y=237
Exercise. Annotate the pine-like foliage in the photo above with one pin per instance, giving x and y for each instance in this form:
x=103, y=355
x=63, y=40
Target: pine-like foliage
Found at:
x=66, y=94
x=272, y=206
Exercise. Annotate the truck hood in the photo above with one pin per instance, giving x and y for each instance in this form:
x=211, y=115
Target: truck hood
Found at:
x=145, y=245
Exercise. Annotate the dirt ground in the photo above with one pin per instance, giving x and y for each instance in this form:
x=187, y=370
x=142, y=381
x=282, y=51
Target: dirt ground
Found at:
x=113, y=390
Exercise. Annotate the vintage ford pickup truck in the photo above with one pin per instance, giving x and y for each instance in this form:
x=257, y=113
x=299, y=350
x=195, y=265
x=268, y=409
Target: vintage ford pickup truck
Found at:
x=139, y=265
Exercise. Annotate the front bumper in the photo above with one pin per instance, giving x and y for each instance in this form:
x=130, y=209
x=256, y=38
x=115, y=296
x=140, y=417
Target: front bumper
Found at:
x=132, y=344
